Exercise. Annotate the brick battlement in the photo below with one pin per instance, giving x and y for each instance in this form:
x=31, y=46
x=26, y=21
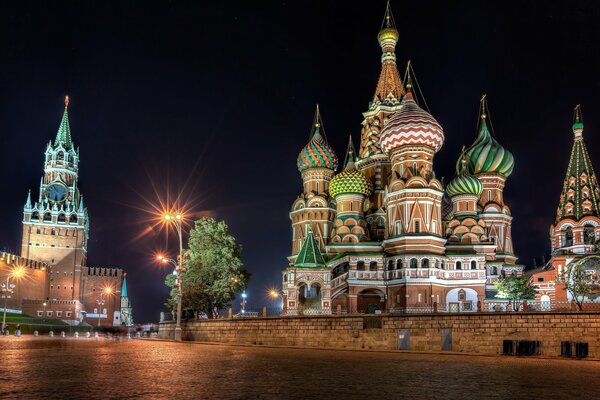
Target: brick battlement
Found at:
x=104, y=271
x=12, y=259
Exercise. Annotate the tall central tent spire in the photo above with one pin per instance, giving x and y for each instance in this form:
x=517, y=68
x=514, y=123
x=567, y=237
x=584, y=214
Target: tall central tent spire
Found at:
x=580, y=196
x=63, y=136
x=389, y=87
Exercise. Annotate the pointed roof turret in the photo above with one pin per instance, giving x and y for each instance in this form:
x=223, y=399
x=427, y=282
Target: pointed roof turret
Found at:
x=389, y=87
x=81, y=207
x=580, y=196
x=310, y=256
x=28, y=202
x=63, y=136
x=317, y=153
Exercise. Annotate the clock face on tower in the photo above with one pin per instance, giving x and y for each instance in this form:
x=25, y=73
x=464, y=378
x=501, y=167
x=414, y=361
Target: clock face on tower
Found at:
x=56, y=192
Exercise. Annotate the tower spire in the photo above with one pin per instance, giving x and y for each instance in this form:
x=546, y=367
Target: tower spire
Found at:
x=389, y=87
x=63, y=136
x=350, y=155
x=28, y=202
x=580, y=196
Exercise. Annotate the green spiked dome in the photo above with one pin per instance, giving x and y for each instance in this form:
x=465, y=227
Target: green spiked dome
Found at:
x=350, y=180
x=487, y=156
x=464, y=183
x=317, y=153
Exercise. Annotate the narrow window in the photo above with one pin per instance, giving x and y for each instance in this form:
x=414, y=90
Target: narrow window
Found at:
x=458, y=265
x=417, y=226
x=473, y=264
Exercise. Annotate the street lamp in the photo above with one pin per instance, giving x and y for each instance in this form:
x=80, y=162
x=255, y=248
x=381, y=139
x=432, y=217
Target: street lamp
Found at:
x=176, y=219
x=243, y=303
x=101, y=301
x=8, y=288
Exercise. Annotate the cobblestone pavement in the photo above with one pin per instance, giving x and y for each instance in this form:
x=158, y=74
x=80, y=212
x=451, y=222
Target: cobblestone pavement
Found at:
x=57, y=368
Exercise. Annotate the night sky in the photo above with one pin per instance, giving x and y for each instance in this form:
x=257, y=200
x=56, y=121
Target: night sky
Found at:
x=216, y=101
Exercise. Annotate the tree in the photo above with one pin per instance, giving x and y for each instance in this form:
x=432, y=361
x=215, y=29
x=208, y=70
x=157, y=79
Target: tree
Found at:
x=515, y=288
x=214, y=271
x=581, y=279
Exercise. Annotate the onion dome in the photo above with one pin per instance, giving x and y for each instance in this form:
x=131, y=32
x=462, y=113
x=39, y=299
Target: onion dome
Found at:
x=388, y=30
x=350, y=180
x=317, y=153
x=411, y=125
x=486, y=155
x=464, y=183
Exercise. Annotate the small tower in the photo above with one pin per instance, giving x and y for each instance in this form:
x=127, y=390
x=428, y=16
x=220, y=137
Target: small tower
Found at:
x=414, y=195
x=307, y=282
x=576, y=229
x=126, y=308
x=372, y=161
x=492, y=164
x=350, y=188
x=55, y=228
x=313, y=208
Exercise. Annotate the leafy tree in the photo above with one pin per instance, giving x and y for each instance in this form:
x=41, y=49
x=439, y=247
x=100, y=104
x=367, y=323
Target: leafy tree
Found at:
x=515, y=288
x=214, y=271
x=581, y=279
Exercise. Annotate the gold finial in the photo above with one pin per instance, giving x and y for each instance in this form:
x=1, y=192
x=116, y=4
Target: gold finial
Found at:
x=578, y=113
x=483, y=101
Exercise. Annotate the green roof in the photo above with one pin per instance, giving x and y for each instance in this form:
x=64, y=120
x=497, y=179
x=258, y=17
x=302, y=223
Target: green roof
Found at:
x=310, y=256
x=63, y=136
x=124, y=287
x=580, y=185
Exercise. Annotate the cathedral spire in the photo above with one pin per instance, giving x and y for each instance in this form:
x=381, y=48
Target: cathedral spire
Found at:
x=63, y=136
x=389, y=87
x=580, y=196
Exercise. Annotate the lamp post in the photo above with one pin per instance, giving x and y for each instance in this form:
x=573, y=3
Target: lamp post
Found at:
x=44, y=304
x=243, y=303
x=107, y=291
x=8, y=288
x=176, y=219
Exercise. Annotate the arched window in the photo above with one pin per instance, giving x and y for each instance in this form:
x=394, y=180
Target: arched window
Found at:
x=473, y=264
x=399, y=264
x=47, y=217
x=60, y=156
x=514, y=273
x=62, y=218
x=503, y=273
x=493, y=271
x=458, y=265
x=462, y=295
x=413, y=263
x=425, y=263
x=568, y=237
x=373, y=266
x=285, y=277
x=360, y=266
x=588, y=234
x=390, y=265
x=35, y=216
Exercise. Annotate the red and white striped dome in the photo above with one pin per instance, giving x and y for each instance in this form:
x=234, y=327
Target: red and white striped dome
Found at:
x=411, y=125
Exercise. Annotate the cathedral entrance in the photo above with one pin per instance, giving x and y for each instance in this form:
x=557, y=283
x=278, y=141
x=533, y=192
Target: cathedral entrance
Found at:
x=370, y=301
x=309, y=297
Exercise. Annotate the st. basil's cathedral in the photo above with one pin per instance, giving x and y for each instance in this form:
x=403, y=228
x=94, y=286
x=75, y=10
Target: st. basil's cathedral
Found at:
x=385, y=234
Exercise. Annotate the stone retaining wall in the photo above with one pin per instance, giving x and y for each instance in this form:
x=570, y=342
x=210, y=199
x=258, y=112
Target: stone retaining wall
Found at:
x=481, y=333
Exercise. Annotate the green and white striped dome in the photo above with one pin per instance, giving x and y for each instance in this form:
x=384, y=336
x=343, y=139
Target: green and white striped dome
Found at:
x=464, y=182
x=487, y=156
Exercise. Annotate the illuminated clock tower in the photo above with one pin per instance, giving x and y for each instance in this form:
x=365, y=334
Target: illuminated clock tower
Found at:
x=55, y=227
